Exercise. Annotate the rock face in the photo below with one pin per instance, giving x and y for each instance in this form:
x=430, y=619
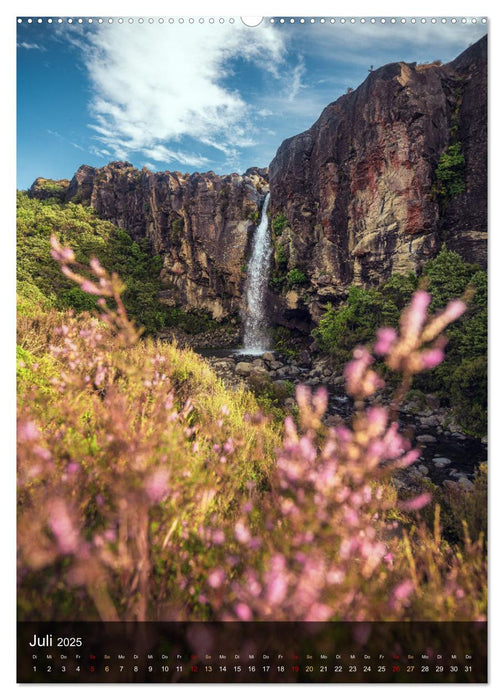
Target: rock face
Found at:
x=201, y=224
x=356, y=189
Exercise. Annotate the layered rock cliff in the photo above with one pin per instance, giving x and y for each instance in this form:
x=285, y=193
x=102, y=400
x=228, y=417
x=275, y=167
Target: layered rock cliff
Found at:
x=201, y=224
x=363, y=192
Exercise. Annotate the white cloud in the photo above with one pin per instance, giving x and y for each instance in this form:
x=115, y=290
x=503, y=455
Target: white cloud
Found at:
x=64, y=138
x=156, y=85
x=296, y=84
x=26, y=45
x=161, y=154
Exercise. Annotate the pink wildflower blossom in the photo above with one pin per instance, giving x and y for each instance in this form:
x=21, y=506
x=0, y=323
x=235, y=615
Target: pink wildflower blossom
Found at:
x=416, y=503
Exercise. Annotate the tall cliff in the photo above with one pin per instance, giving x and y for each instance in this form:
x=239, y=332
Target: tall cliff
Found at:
x=201, y=224
x=384, y=176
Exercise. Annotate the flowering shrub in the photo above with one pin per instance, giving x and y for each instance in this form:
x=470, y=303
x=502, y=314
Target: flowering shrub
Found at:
x=324, y=547
x=147, y=491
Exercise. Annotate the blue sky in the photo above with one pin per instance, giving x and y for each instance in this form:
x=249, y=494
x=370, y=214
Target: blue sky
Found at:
x=195, y=97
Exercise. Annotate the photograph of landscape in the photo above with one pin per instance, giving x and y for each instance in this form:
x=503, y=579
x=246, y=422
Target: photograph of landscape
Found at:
x=252, y=322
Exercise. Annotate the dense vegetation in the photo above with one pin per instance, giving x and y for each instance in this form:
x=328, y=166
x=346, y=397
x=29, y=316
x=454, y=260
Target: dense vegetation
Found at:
x=147, y=491
x=461, y=380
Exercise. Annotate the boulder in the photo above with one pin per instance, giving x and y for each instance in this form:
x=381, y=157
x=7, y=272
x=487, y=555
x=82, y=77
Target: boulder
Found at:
x=441, y=462
x=258, y=378
x=426, y=439
x=281, y=389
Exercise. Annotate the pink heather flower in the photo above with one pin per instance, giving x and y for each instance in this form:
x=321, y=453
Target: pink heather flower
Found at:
x=225, y=410
x=454, y=310
x=229, y=446
x=290, y=429
x=73, y=467
x=413, y=316
x=60, y=253
x=88, y=286
x=42, y=452
x=386, y=337
x=303, y=395
x=276, y=589
x=377, y=418
x=394, y=444
x=67, y=271
x=94, y=264
x=242, y=533
x=218, y=537
x=99, y=376
x=416, y=503
x=318, y=612
x=252, y=585
x=306, y=449
x=343, y=433
x=409, y=458
x=216, y=578
x=351, y=516
x=156, y=486
x=432, y=358
x=403, y=591
x=28, y=432
x=62, y=527
x=243, y=611
x=355, y=369
x=319, y=400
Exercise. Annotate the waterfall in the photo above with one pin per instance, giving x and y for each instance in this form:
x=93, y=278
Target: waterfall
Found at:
x=256, y=338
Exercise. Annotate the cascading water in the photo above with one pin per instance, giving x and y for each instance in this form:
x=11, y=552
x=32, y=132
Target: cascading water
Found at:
x=256, y=338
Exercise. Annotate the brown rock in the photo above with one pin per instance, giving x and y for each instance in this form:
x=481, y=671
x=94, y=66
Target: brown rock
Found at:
x=243, y=368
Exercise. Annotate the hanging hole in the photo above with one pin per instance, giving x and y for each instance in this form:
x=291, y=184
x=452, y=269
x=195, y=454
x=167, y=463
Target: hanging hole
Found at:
x=251, y=21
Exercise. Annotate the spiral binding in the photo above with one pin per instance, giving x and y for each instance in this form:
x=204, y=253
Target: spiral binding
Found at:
x=270, y=20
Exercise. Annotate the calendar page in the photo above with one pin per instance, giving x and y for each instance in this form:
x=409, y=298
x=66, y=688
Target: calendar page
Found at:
x=252, y=349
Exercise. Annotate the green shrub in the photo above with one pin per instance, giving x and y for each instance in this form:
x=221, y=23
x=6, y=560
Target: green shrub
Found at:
x=296, y=277
x=355, y=321
x=449, y=176
x=280, y=255
x=283, y=342
x=278, y=223
x=177, y=229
